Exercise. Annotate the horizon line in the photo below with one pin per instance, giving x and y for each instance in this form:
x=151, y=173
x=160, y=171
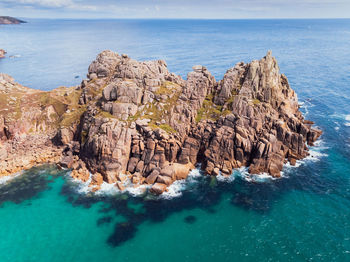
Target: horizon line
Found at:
x=186, y=18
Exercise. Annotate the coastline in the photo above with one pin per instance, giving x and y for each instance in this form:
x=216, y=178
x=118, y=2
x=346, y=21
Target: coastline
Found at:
x=136, y=121
x=26, y=152
x=178, y=187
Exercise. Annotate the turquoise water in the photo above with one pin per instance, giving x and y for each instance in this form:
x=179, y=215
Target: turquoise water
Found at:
x=302, y=217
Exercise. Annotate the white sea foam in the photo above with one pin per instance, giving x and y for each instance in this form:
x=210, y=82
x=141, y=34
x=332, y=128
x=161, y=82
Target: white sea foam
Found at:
x=107, y=189
x=224, y=178
x=6, y=179
x=176, y=188
x=257, y=178
x=82, y=187
x=315, y=156
x=316, y=153
x=305, y=105
x=194, y=175
x=342, y=117
x=137, y=191
x=347, y=119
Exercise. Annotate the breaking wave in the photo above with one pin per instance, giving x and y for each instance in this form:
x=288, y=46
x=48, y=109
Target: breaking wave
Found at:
x=256, y=178
x=342, y=118
x=176, y=188
x=304, y=106
x=6, y=179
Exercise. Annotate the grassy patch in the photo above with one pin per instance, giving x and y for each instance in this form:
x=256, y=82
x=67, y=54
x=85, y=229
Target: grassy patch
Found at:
x=167, y=128
x=165, y=89
x=68, y=119
x=157, y=112
x=209, y=110
x=45, y=99
x=256, y=101
x=105, y=114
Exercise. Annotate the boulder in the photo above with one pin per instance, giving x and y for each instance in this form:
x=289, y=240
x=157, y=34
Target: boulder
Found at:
x=152, y=177
x=120, y=186
x=158, y=188
x=165, y=180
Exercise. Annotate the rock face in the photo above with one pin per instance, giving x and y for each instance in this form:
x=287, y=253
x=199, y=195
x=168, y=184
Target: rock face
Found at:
x=2, y=53
x=29, y=119
x=136, y=122
x=7, y=20
x=145, y=122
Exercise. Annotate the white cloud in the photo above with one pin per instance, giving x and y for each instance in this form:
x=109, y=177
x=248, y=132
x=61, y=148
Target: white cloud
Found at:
x=70, y=4
x=44, y=3
x=177, y=8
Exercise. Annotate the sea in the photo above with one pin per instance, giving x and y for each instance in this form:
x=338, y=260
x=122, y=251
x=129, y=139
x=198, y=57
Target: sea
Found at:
x=303, y=216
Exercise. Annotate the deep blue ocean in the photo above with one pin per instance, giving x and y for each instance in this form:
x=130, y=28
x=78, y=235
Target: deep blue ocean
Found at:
x=304, y=216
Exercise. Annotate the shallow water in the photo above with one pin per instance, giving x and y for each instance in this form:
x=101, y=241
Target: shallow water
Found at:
x=303, y=216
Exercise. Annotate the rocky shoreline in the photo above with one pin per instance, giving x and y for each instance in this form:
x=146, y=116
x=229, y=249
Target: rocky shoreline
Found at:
x=8, y=20
x=136, y=121
x=25, y=152
x=2, y=53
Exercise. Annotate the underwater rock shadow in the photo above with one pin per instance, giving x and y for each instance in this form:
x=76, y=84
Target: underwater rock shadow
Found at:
x=190, y=219
x=27, y=185
x=104, y=220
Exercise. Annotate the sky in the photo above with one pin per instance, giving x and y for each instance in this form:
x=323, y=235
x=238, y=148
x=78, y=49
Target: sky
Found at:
x=210, y=9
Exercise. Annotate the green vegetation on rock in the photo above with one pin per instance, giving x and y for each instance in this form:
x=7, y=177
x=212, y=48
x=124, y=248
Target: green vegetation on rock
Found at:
x=209, y=110
x=105, y=114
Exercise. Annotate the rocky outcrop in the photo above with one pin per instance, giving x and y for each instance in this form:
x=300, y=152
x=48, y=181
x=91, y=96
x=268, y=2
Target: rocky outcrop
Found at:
x=2, y=53
x=29, y=120
x=24, y=152
x=154, y=127
x=8, y=20
x=135, y=122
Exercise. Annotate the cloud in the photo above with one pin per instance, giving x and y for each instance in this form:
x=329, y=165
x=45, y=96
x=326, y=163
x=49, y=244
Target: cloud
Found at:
x=177, y=8
x=69, y=4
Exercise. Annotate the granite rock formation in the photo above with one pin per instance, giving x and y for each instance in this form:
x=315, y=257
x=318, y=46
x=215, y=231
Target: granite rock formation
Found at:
x=29, y=119
x=136, y=122
x=151, y=126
